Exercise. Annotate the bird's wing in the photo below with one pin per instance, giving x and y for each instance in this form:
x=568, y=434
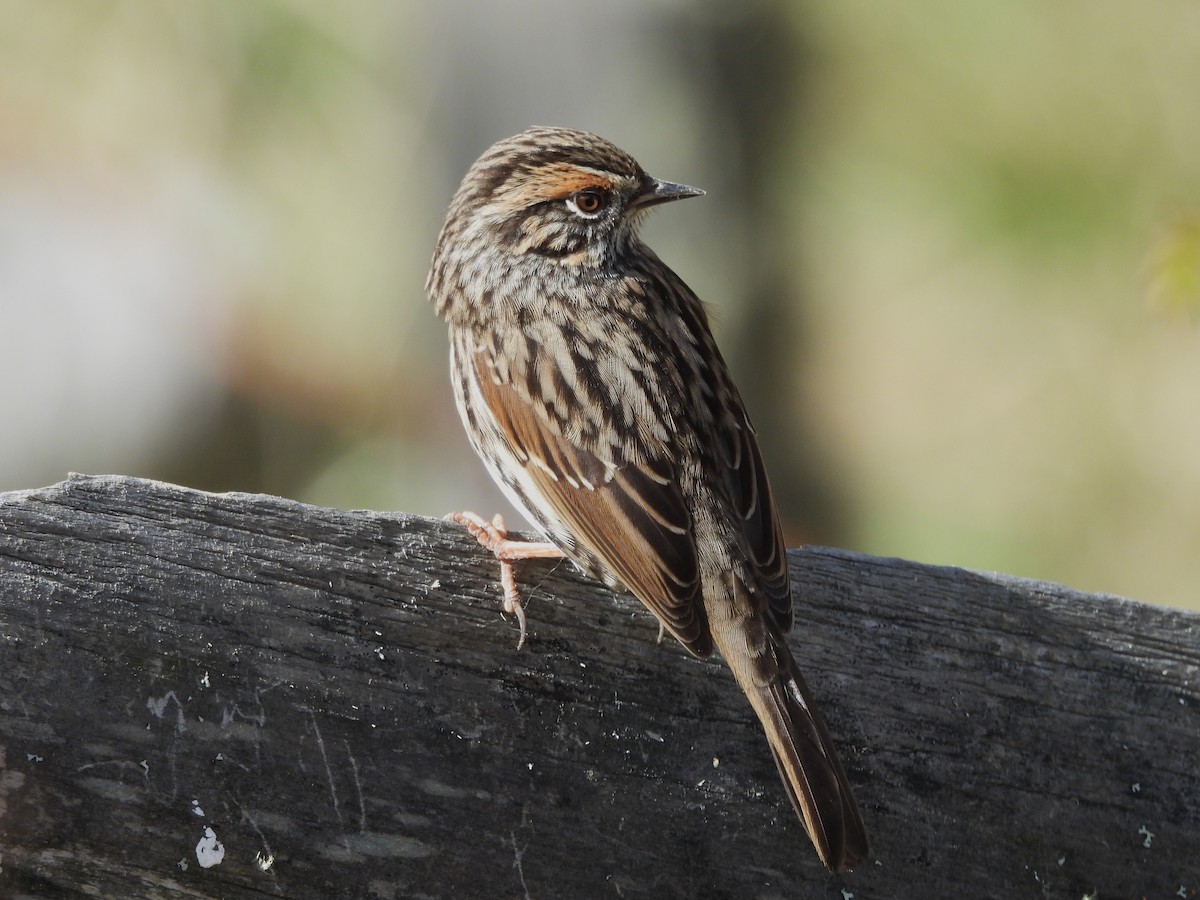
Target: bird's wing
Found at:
x=750, y=496
x=630, y=515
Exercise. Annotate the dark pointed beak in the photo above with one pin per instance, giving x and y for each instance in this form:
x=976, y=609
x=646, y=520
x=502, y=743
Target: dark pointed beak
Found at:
x=654, y=192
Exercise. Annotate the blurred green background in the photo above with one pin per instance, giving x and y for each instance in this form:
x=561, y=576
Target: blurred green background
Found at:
x=952, y=251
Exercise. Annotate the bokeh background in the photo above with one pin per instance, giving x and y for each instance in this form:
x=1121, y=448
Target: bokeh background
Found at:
x=952, y=250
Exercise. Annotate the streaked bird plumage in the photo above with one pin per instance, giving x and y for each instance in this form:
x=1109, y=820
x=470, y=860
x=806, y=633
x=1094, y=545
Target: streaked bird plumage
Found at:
x=589, y=383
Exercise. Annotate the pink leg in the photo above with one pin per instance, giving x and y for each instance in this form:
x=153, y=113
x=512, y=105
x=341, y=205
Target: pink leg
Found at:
x=494, y=536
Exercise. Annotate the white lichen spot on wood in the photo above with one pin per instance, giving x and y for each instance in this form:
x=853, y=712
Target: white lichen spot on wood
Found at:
x=209, y=851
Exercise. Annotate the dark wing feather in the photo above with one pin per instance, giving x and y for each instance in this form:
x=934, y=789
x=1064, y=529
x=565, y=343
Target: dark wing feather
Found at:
x=632, y=517
x=753, y=504
x=738, y=461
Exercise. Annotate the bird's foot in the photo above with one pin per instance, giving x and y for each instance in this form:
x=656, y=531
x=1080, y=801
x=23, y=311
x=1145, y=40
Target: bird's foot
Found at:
x=494, y=536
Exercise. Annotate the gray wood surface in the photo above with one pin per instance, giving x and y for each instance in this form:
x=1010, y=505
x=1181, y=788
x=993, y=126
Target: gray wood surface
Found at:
x=336, y=696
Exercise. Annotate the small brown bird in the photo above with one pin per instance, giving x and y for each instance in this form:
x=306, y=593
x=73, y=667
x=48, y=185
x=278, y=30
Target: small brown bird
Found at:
x=590, y=385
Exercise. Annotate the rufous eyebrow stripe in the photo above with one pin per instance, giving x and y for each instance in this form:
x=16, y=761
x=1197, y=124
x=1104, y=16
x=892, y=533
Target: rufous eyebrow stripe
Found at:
x=559, y=180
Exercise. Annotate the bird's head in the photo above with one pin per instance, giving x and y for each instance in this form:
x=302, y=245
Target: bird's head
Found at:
x=556, y=194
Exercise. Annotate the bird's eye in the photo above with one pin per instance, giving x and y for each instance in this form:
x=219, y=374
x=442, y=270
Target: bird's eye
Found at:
x=587, y=203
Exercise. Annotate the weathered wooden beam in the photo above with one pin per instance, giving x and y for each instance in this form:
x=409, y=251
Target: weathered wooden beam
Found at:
x=335, y=699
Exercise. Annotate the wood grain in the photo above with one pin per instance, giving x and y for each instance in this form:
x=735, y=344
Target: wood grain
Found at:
x=336, y=696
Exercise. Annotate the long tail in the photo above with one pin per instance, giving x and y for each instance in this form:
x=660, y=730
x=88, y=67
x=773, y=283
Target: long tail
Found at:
x=804, y=752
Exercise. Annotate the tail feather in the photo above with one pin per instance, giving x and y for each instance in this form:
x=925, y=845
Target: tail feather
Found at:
x=812, y=773
x=804, y=752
